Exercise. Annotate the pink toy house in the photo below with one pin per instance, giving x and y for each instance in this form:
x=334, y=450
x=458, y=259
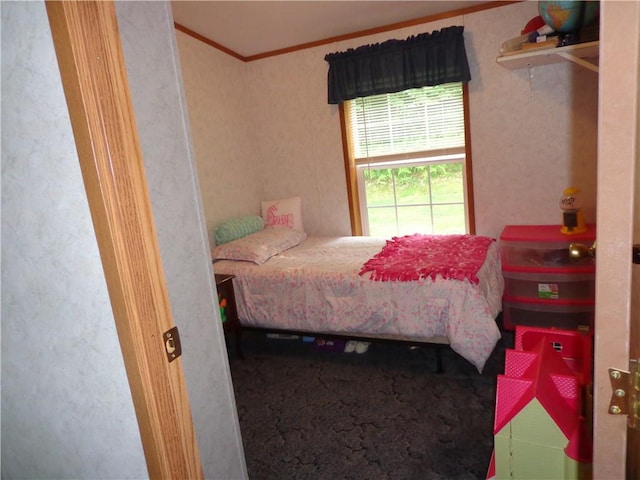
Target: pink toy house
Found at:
x=540, y=430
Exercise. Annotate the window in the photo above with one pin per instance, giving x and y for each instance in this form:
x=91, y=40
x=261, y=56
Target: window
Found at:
x=408, y=165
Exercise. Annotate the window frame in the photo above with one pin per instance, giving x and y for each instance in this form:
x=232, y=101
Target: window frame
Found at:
x=360, y=172
x=351, y=170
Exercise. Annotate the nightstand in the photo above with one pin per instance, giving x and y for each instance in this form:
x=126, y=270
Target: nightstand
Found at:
x=228, y=309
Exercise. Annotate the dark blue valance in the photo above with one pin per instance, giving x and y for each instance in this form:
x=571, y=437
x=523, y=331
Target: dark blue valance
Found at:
x=421, y=60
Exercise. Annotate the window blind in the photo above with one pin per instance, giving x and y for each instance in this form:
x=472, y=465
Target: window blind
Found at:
x=408, y=123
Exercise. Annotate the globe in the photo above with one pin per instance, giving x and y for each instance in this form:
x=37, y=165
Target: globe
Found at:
x=565, y=16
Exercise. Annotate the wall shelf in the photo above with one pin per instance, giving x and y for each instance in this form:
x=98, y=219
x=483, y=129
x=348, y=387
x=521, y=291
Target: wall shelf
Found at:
x=579, y=53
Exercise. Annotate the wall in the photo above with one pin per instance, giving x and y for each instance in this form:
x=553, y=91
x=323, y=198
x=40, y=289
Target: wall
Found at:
x=532, y=136
x=220, y=112
x=533, y=133
x=164, y=133
x=66, y=405
x=299, y=137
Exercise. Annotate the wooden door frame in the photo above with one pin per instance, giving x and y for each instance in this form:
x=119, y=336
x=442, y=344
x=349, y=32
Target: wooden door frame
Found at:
x=89, y=52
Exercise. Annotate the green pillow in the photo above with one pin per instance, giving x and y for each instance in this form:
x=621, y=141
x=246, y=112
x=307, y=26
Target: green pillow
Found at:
x=238, y=227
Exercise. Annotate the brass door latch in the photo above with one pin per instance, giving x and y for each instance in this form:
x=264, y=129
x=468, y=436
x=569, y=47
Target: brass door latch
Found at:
x=172, y=344
x=625, y=398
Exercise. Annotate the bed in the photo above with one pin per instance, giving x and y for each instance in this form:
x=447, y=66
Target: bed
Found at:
x=332, y=286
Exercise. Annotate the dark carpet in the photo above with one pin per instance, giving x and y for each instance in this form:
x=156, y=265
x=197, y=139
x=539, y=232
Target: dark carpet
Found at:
x=384, y=414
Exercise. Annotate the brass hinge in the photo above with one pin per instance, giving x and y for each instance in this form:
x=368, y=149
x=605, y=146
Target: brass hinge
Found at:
x=625, y=398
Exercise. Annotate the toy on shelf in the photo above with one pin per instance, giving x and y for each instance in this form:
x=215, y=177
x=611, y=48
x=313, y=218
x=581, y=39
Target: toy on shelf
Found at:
x=575, y=21
x=572, y=218
x=536, y=34
x=559, y=24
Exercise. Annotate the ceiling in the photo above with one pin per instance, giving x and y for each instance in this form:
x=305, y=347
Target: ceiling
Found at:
x=250, y=28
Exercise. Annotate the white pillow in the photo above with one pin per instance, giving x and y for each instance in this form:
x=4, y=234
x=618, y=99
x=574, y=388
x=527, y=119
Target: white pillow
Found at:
x=260, y=246
x=286, y=212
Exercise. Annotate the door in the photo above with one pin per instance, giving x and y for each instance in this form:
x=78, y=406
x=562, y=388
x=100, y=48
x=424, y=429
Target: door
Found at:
x=616, y=328
x=93, y=72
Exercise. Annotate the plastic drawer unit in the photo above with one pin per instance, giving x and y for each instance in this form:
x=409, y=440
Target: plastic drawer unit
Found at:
x=556, y=284
x=543, y=286
x=542, y=247
x=570, y=315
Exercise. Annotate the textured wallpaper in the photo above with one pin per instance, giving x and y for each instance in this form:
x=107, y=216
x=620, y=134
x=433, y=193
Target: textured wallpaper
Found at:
x=67, y=410
x=533, y=133
x=229, y=163
x=182, y=237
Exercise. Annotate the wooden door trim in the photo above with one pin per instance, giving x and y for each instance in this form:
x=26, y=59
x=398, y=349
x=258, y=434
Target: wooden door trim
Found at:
x=87, y=43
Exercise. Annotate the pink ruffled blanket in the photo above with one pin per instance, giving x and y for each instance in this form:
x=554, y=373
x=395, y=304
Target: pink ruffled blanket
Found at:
x=413, y=257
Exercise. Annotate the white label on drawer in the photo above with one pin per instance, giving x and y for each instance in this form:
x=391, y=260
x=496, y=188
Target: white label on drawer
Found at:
x=547, y=290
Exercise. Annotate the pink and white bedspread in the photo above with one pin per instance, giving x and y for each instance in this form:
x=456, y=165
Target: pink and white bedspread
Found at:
x=315, y=287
